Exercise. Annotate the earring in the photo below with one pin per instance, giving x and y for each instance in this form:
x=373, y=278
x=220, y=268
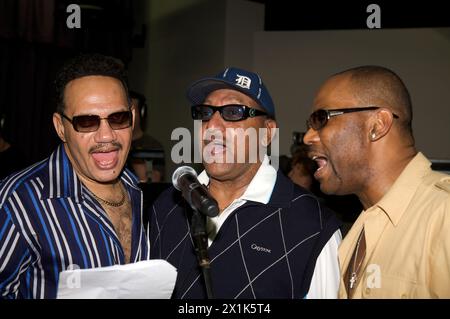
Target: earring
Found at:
x=373, y=136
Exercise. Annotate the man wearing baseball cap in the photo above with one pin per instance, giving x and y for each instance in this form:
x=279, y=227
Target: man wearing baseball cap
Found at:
x=271, y=239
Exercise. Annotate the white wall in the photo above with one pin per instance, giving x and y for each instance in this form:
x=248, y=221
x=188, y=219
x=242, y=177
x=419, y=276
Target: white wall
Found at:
x=243, y=19
x=294, y=64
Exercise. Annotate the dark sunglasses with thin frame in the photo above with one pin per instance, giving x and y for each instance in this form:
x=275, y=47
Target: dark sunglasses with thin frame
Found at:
x=319, y=118
x=91, y=123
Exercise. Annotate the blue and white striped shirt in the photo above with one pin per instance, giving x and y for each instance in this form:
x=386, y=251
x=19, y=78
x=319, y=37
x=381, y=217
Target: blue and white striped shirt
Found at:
x=49, y=222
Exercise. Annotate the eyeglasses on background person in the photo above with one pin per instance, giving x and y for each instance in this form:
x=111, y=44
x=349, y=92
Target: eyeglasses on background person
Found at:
x=319, y=118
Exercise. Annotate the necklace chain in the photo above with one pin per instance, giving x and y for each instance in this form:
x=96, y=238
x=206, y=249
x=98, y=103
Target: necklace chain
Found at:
x=354, y=273
x=113, y=204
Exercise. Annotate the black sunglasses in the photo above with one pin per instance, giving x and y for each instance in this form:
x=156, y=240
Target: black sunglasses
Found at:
x=230, y=112
x=319, y=118
x=91, y=123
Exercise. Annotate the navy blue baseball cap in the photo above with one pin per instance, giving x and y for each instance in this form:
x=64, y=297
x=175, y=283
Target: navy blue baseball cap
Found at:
x=243, y=81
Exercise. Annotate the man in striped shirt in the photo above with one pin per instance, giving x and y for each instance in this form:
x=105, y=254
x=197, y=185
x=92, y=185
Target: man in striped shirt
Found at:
x=79, y=208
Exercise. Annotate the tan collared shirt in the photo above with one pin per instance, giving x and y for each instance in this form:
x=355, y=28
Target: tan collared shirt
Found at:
x=407, y=237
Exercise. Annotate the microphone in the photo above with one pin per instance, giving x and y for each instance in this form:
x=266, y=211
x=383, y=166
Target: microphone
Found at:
x=185, y=180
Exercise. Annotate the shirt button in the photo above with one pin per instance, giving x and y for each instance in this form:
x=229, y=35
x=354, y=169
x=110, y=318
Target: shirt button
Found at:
x=367, y=291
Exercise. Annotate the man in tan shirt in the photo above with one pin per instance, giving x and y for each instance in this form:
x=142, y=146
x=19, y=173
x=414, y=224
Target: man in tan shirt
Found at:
x=399, y=247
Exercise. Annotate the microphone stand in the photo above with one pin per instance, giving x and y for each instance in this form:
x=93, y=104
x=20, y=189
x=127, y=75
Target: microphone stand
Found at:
x=198, y=227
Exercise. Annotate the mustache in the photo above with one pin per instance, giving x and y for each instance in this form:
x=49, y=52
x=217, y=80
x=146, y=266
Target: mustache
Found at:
x=105, y=147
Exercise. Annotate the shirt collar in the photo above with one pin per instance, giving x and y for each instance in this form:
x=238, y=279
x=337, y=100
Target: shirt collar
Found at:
x=404, y=187
x=64, y=182
x=260, y=188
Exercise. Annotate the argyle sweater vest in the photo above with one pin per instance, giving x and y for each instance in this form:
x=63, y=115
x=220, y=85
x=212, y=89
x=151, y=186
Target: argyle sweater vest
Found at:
x=261, y=250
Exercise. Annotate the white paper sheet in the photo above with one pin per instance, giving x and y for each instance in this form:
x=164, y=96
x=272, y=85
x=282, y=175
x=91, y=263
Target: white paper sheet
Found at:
x=150, y=279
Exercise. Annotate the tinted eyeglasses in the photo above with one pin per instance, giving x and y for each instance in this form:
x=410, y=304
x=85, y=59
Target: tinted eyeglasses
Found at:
x=319, y=118
x=91, y=123
x=230, y=112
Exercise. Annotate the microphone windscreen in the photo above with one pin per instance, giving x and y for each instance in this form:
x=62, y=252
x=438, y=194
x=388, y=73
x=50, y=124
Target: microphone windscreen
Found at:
x=180, y=171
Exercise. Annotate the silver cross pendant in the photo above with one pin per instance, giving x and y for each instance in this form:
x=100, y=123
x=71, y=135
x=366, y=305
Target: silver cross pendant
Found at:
x=352, y=280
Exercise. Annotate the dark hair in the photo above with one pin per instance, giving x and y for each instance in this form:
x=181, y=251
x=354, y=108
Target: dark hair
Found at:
x=86, y=65
x=376, y=83
x=300, y=156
